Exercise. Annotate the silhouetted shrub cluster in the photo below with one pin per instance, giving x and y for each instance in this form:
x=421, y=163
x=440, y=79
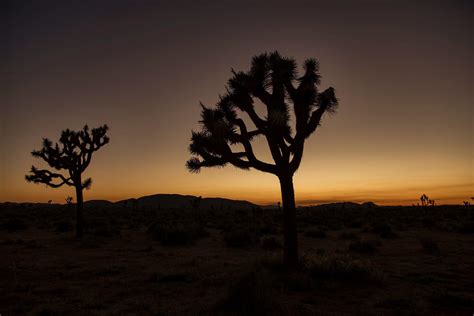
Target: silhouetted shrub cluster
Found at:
x=14, y=225
x=176, y=234
x=251, y=294
x=315, y=233
x=384, y=230
x=240, y=237
x=341, y=268
x=270, y=243
x=348, y=236
x=428, y=245
x=63, y=226
x=466, y=228
x=363, y=246
x=103, y=227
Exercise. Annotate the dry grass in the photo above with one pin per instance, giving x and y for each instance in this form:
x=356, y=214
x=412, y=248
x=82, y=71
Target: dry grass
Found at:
x=46, y=272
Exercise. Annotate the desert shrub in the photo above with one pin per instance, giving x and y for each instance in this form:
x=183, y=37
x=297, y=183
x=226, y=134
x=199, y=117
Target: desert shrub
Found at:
x=268, y=229
x=315, y=233
x=171, y=278
x=102, y=227
x=354, y=224
x=466, y=228
x=63, y=226
x=428, y=245
x=109, y=270
x=384, y=230
x=272, y=262
x=176, y=234
x=240, y=237
x=270, y=243
x=341, y=268
x=14, y=225
x=452, y=301
x=31, y=244
x=45, y=311
x=106, y=229
x=400, y=303
x=363, y=246
x=251, y=294
x=90, y=241
x=348, y=236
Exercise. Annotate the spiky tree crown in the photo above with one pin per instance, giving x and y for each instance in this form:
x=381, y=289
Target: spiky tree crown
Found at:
x=274, y=81
x=73, y=153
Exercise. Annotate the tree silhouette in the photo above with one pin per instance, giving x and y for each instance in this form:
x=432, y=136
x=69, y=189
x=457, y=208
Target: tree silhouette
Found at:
x=272, y=80
x=73, y=154
x=69, y=200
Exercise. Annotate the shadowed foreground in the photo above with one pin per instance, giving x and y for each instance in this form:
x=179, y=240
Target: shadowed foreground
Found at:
x=355, y=260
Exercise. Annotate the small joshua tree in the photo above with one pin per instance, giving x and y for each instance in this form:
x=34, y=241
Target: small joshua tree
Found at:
x=424, y=200
x=69, y=200
x=196, y=202
x=73, y=154
x=272, y=80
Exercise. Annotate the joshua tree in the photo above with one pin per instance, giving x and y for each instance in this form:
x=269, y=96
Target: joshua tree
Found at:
x=272, y=80
x=73, y=154
x=69, y=200
x=196, y=202
x=424, y=200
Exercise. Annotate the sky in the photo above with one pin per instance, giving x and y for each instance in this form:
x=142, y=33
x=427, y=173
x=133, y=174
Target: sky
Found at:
x=402, y=70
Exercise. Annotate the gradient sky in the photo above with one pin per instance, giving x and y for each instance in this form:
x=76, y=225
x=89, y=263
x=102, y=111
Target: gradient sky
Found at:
x=402, y=71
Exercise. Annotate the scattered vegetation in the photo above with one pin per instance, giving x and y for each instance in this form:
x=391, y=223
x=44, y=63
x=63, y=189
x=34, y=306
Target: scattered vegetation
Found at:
x=63, y=226
x=341, y=267
x=179, y=234
x=270, y=243
x=348, y=236
x=382, y=229
x=348, y=265
x=363, y=246
x=14, y=224
x=315, y=233
x=240, y=237
x=428, y=245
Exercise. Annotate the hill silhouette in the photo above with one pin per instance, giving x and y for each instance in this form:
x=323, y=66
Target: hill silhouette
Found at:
x=171, y=201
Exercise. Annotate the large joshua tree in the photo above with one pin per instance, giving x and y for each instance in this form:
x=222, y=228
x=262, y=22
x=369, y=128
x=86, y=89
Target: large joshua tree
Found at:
x=272, y=80
x=73, y=154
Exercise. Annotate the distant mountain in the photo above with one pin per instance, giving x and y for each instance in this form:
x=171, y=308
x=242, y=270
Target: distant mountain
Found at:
x=170, y=201
x=98, y=203
x=345, y=205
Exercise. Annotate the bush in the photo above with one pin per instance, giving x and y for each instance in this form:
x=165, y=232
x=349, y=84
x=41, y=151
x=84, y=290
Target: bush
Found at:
x=364, y=247
x=452, y=301
x=14, y=225
x=348, y=236
x=240, y=237
x=341, y=268
x=384, y=230
x=251, y=294
x=315, y=233
x=270, y=243
x=467, y=228
x=102, y=227
x=63, y=226
x=428, y=245
x=176, y=234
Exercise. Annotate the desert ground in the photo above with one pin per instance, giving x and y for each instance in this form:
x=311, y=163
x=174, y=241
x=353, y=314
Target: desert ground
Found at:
x=355, y=260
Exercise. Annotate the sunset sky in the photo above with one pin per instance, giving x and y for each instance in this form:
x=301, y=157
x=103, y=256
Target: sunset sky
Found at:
x=403, y=73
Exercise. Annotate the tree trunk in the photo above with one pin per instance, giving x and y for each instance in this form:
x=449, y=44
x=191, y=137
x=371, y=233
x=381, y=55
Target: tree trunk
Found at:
x=290, y=234
x=79, y=216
